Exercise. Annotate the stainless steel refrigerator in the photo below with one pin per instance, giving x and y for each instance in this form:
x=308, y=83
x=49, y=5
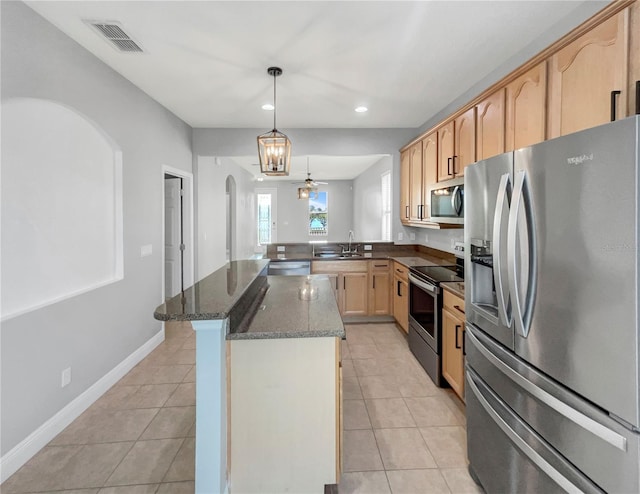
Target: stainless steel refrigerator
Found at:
x=552, y=341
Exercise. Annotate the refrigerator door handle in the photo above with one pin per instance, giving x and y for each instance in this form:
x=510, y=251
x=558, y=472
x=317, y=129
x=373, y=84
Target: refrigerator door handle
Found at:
x=577, y=417
x=503, y=313
x=521, y=199
x=520, y=443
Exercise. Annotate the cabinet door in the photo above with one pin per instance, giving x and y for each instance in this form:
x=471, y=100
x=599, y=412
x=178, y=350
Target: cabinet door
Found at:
x=634, y=58
x=526, y=108
x=445, y=151
x=429, y=170
x=354, y=294
x=401, y=303
x=334, y=279
x=584, y=73
x=465, y=141
x=490, y=126
x=380, y=299
x=452, y=358
x=405, y=162
x=416, y=205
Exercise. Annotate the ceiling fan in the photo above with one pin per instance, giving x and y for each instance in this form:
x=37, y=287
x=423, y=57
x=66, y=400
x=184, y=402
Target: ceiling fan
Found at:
x=309, y=182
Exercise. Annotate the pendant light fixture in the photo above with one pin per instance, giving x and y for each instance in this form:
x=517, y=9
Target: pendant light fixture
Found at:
x=274, y=148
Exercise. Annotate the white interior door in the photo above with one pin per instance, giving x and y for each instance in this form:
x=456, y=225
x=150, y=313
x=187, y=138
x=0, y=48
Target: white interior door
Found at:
x=172, y=237
x=267, y=215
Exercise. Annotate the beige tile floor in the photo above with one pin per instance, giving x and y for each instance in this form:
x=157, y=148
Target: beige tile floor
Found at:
x=138, y=438
x=402, y=434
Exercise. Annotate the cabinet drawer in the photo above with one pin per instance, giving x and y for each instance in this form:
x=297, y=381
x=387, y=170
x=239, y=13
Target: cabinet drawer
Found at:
x=401, y=271
x=339, y=266
x=380, y=264
x=454, y=303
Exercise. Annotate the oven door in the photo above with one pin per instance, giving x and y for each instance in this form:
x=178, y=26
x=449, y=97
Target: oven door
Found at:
x=423, y=310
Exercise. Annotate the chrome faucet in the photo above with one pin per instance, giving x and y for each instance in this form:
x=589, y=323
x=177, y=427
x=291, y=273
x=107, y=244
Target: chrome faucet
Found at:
x=351, y=235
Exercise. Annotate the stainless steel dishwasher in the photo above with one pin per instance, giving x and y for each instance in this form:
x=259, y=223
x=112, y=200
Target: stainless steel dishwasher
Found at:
x=289, y=268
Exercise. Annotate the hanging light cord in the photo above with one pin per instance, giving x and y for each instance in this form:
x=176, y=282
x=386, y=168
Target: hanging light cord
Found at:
x=274, y=100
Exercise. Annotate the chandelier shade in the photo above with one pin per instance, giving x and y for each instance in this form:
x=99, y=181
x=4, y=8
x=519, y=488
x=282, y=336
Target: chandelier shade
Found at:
x=274, y=151
x=274, y=148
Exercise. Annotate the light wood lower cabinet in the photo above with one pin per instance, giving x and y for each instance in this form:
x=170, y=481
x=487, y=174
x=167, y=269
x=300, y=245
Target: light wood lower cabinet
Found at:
x=379, y=288
x=401, y=296
x=351, y=283
x=453, y=342
x=285, y=414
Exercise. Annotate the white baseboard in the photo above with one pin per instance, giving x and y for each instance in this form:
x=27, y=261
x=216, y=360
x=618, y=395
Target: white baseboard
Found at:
x=34, y=442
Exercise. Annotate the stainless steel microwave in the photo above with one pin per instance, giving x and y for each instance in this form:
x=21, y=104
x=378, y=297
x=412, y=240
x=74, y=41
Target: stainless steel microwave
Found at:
x=447, y=202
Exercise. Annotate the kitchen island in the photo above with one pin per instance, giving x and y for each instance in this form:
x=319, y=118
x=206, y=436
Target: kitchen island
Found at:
x=268, y=406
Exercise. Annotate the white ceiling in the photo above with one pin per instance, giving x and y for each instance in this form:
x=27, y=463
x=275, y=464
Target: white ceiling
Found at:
x=206, y=61
x=320, y=167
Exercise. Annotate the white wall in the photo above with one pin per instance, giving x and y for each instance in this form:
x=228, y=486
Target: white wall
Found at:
x=367, y=201
x=212, y=216
x=292, y=223
x=333, y=142
x=95, y=331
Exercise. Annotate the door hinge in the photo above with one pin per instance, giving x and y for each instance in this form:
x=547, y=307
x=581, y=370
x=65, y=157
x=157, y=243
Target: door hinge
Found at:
x=182, y=247
x=181, y=192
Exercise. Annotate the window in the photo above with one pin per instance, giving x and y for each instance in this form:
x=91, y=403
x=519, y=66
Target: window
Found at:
x=318, y=215
x=386, y=206
x=264, y=219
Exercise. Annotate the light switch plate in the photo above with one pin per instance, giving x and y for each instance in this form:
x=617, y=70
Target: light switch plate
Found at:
x=400, y=236
x=146, y=250
x=280, y=248
x=367, y=247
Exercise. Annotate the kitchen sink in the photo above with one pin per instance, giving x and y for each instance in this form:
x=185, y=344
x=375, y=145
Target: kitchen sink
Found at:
x=338, y=255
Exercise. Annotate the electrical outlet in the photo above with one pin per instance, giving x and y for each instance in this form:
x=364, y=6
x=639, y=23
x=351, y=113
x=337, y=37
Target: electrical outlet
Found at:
x=281, y=248
x=453, y=243
x=426, y=237
x=367, y=247
x=66, y=377
x=412, y=236
x=400, y=236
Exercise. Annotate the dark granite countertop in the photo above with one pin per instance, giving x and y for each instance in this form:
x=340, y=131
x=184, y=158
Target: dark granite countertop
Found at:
x=408, y=260
x=295, y=307
x=455, y=287
x=214, y=296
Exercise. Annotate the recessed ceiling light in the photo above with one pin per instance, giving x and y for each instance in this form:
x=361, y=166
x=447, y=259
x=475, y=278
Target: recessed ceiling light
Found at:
x=268, y=106
x=361, y=109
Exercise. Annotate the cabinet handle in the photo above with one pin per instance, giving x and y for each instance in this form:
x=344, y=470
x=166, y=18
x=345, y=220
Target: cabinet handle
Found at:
x=406, y=211
x=457, y=342
x=398, y=289
x=344, y=283
x=637, y=97
x=613, y=105
x=464, y=346
x=449, y=166
x=458, y=308
x=453, y=160
x=336, y=283
x=374, y=282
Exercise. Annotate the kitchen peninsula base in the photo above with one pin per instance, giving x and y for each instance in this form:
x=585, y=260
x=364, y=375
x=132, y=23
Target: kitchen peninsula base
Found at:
x=284, y=414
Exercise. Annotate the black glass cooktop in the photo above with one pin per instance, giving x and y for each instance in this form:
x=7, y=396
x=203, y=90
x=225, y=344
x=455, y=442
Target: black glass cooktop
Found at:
x=437, y=274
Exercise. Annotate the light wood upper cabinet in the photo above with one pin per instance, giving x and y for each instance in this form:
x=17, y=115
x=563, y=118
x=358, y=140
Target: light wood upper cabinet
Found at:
x=405, y=185
x=446, y=151
x=429, y=170
x=526, y=99
x=465, y=142
x=490, y=125
x=583, y=74
x=416, y=205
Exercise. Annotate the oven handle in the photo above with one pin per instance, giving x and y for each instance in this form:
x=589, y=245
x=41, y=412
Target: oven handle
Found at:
x=421, y=284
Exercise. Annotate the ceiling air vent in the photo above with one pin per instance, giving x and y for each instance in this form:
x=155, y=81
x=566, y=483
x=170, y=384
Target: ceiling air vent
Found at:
x=113, y=32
